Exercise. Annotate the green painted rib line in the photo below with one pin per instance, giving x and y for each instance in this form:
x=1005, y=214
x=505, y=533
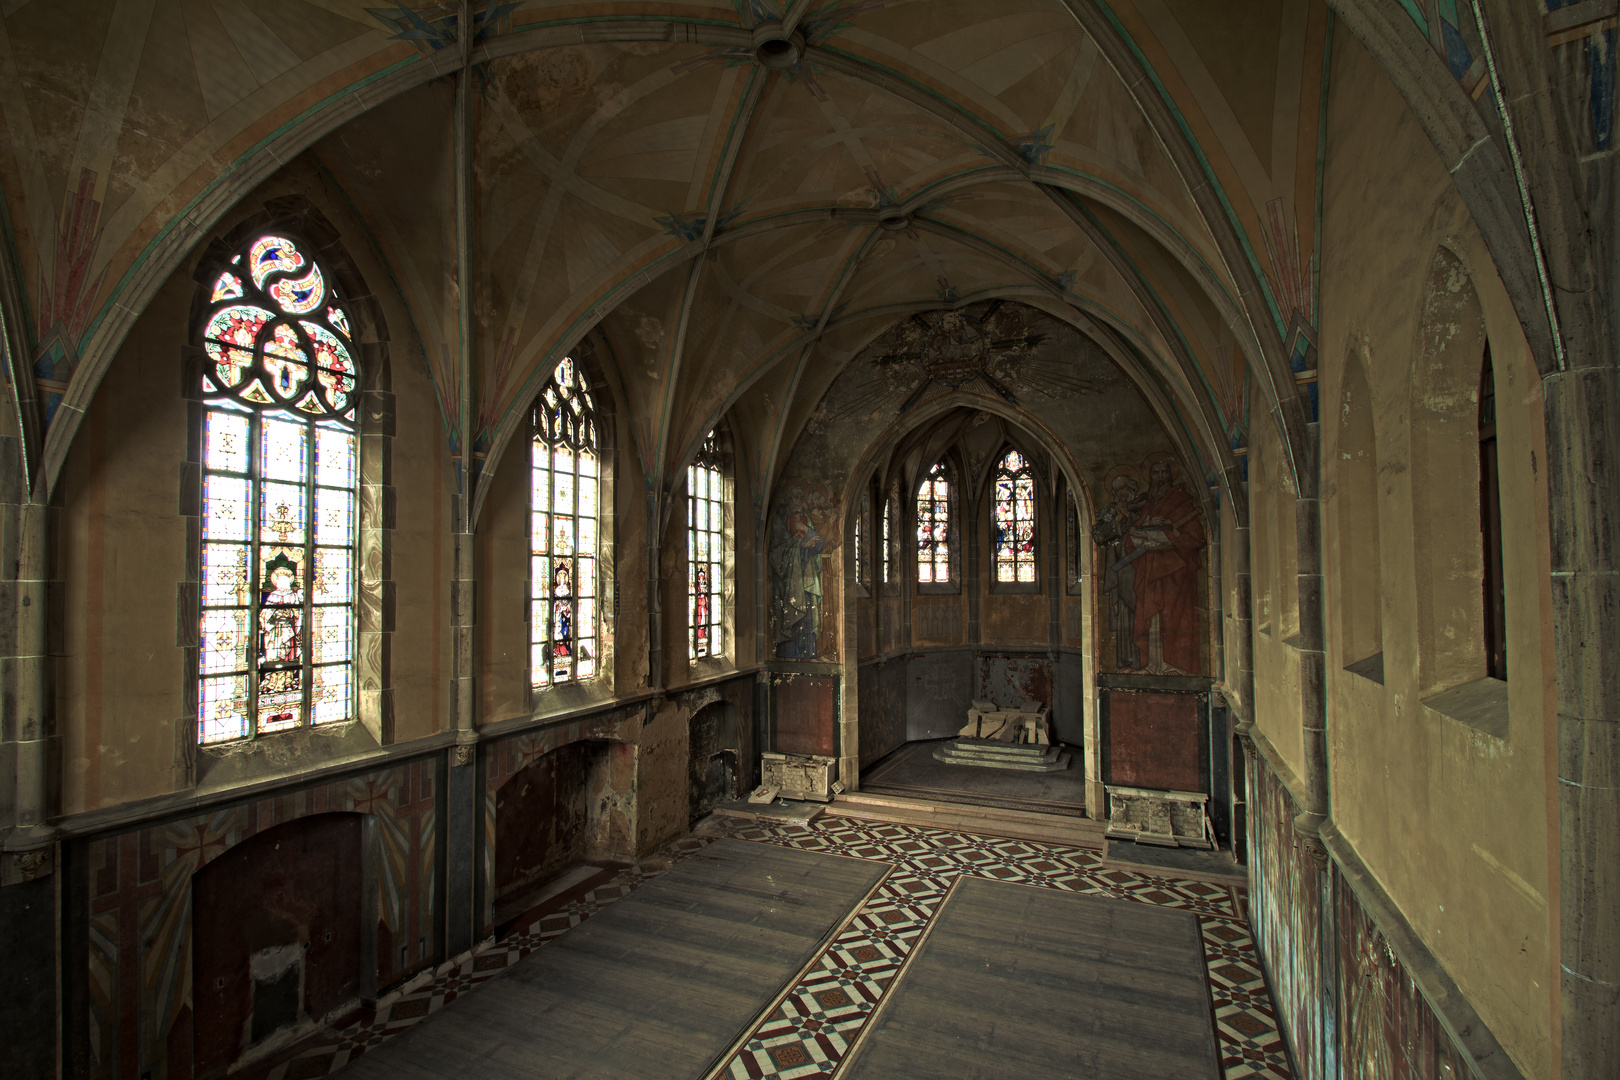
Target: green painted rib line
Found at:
x=1203, y=161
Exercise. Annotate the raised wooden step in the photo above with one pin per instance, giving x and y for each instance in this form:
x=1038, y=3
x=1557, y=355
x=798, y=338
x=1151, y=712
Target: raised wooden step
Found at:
x=982, y=820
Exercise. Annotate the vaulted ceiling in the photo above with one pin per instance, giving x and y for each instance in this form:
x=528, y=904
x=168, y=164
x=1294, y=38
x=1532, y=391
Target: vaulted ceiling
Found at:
x=734, y=230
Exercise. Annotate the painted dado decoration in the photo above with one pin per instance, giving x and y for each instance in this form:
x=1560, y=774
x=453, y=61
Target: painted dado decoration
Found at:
x=139, y=948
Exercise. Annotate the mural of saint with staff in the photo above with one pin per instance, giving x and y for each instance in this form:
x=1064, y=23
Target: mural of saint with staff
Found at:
x=1154, y=542
x=797, y=539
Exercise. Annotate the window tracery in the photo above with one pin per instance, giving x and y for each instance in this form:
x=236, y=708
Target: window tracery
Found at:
x=565, y=512
x=934, y=526
x=280, y=477
x=705, y=552
x=1013, y=521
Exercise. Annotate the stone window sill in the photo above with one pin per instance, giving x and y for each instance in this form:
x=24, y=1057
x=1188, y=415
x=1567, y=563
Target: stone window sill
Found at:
x=1371, y=669
x=1481, y=705
x=279, y=755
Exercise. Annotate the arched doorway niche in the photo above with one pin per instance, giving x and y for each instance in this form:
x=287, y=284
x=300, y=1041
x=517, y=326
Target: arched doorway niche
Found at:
x=714, y=758
x=279, y=942
x=570, y=807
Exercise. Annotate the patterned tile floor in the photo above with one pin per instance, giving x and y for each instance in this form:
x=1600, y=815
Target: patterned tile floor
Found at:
x=813, y=1024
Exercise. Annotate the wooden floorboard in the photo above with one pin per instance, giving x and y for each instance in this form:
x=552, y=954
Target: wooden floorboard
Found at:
x=1014, y=981
x=655, y=987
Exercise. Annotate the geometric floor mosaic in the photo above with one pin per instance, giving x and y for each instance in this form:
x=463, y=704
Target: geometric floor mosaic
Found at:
x=811, y=1028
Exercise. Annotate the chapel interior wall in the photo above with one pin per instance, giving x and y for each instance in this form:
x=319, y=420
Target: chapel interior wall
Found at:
x=1457, y=824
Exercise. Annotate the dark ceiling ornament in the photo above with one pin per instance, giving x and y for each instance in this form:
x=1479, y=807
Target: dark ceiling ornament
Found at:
x=958, y=349
x=775, y=46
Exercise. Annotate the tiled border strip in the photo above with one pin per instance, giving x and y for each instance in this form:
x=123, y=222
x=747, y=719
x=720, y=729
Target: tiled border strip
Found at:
x=813, y=1030
x=818, y=1019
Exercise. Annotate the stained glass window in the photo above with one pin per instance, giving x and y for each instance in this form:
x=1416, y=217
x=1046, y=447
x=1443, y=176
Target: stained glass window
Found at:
x=1013, y=521
x=563, y=540
x=863, y=529
x=705, y=553
x=280, y=471
x=934, y=526
x=889, y=505
x=1071, y=520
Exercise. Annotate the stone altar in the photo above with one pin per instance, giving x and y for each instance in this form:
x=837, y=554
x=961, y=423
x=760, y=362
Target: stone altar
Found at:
x=996, y=738
x=1026, y=723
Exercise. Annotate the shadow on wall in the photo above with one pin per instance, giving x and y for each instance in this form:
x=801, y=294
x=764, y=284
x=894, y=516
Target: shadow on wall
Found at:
x=276, y=937
x=713, y=747
x=555, y=812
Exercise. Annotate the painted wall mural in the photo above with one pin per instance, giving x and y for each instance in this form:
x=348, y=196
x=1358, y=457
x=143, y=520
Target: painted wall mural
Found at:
x=1151, y=536
x=804, y=533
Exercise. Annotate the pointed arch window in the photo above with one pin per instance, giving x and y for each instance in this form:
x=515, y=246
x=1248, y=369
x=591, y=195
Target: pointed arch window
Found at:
x=1013, y=521
x=705, y=552
x=890, y=508
x=934, y=526
x=280, y=477
x=565, y=511
x=863, y=539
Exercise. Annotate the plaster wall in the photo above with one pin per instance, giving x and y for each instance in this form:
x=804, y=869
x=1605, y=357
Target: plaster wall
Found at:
x=1276, y=659
x=122, y=539
x=1458, y=825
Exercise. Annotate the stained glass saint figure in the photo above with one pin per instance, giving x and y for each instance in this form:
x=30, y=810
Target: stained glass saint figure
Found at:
x=1013, y=521
x=934, y=526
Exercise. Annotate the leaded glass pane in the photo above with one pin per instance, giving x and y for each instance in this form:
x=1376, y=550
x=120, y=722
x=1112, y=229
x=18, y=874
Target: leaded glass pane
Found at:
x=222, y=711
x=225, y=442
x=334, y=457
x=225, y=507
x=281, y=512
x=334, y=575
x=299, y=295
x=283, y=450
x=333, y=696
x=225, y=576
x=333, y=632
x=334, y=516
x=224, y=640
